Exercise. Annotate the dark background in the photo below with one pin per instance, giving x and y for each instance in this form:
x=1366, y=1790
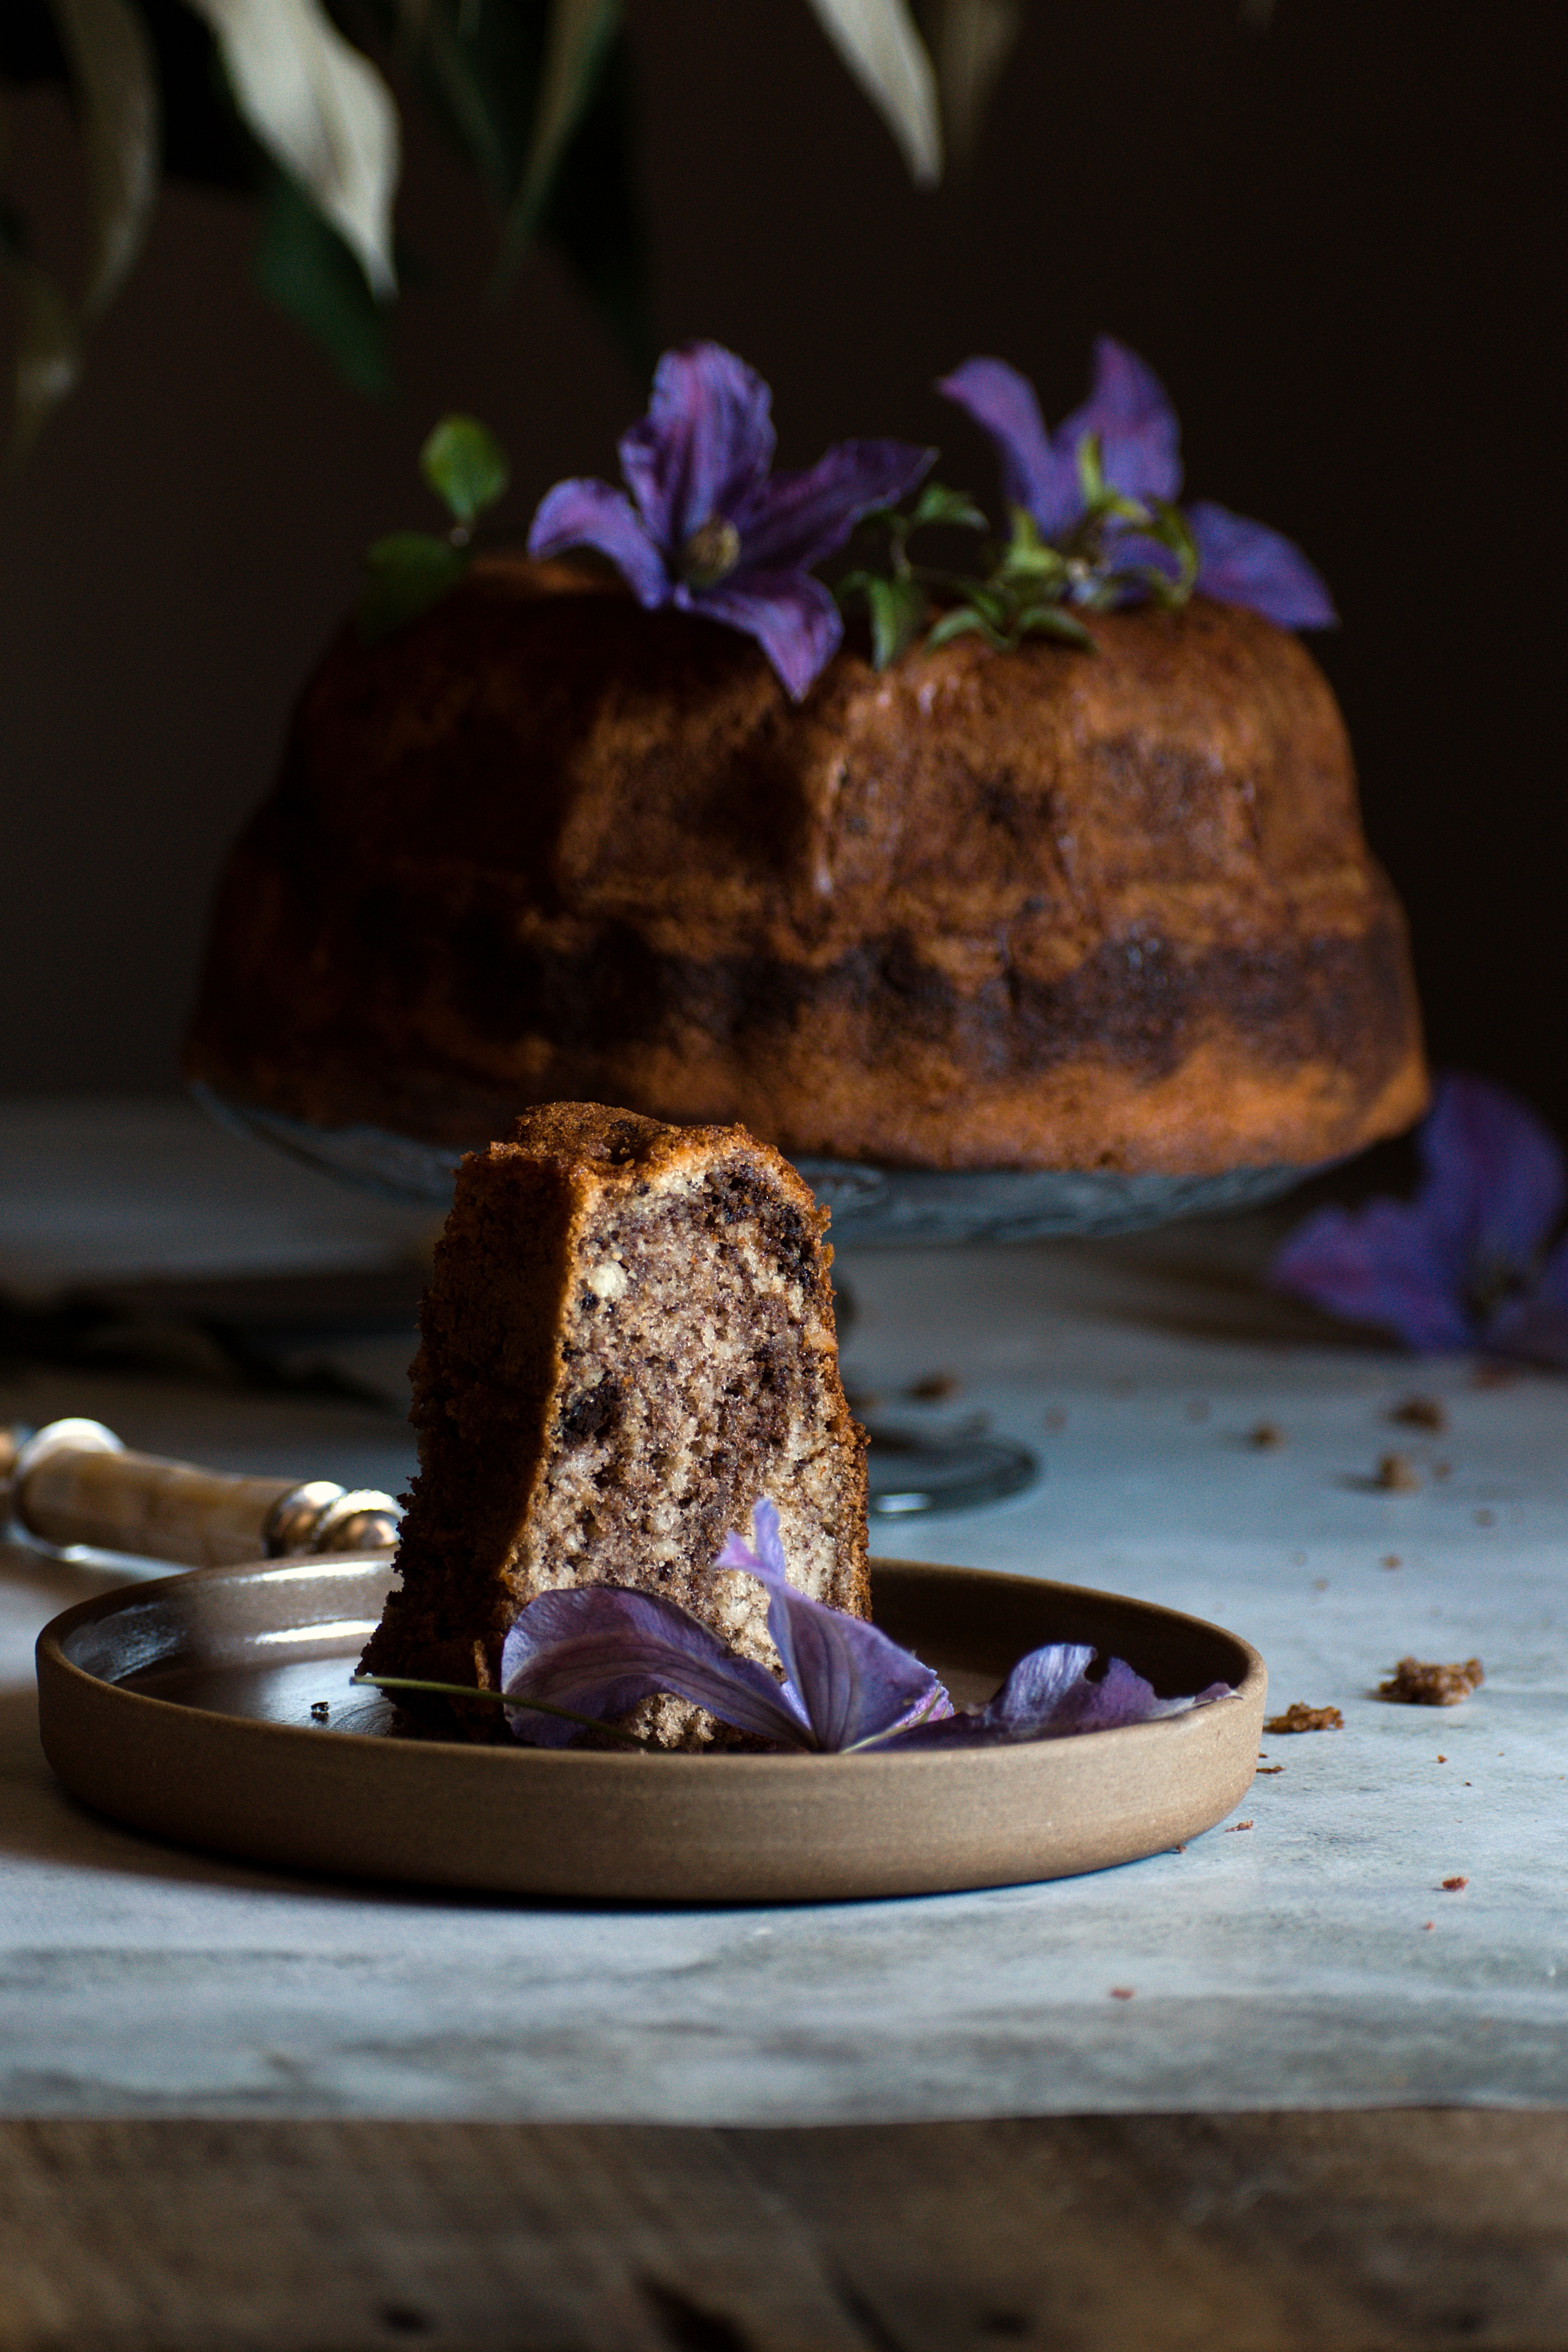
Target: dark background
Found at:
x=1338, y=239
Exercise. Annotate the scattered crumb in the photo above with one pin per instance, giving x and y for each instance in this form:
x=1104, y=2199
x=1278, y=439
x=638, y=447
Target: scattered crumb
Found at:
x=1455, y=1885
x=1236, y=1825
x=1391, y=1559
x=1442, y=1759
x=1057, y=1418
x=1486, y=1518
x=319, y=1711
x=935, y=1387
x=1320, y=1583
x=1420, y=1412
x=1297, y=1717
x=1397, y=1474
x=1198, y=1409
x=1493, y=1376
x=1122, y=1992
x=1265, y=1770
x=1428, y=1923
x=1416, y=1683
x=1266, y=1434
x=1442, y=1469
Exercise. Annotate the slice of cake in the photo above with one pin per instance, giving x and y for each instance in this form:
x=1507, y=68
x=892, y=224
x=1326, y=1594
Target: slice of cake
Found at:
x=627, y=1340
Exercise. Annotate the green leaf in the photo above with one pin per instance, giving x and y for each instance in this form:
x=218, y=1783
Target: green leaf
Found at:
x=937, y=505
x=878, y=41
x=959, y=623
x=1091, y=472
x=576, y=50
x=405, y=575
x=898, y=608
x=1051, y=621
x=465, y=465
x=304, y=266
x=321, y=111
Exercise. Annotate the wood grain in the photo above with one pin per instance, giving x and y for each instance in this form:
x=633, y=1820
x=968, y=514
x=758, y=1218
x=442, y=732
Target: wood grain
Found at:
x=1143, y=2233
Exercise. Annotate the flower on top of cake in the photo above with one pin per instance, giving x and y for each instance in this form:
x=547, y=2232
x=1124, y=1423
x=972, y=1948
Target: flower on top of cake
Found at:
x=703, y=523
x=1128, y=432
x=581, y=1657
x=711, y=528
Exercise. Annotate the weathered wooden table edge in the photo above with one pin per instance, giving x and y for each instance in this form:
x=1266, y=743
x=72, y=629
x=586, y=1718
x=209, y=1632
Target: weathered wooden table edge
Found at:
x=1265, y=2232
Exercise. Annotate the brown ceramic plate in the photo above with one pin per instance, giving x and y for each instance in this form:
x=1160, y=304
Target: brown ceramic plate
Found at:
x=184, y=1707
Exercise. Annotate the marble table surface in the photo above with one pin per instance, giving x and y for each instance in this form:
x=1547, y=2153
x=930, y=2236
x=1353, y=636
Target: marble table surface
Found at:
x=1304, y=1954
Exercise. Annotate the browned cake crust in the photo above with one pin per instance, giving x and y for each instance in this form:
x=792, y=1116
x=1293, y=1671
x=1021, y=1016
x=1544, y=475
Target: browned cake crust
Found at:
x=627, y=1342
x=1031, y=909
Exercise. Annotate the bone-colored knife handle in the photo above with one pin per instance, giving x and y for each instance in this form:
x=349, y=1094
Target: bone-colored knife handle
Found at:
x=75, y=1484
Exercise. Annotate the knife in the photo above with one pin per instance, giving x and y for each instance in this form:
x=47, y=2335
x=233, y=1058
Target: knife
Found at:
x=76, y=1491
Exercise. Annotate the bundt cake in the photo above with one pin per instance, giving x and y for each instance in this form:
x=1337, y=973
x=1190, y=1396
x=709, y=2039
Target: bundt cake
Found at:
x=1032, y=910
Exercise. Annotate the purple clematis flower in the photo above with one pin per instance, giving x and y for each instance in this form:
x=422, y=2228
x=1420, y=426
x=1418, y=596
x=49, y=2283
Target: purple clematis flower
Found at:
x=706, y=526
x=1466, y=1263
x=1240, y=561
x=598, y=1650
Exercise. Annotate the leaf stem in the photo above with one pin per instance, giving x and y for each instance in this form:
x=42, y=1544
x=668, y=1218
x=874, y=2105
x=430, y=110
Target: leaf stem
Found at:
x=504, y=1698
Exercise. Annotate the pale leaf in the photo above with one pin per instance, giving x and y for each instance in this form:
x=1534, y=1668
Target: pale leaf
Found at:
x=972, y=40
x=321, y=111
x=47, y=360
x=576, y=47
x=112, y=69
x=878, y=41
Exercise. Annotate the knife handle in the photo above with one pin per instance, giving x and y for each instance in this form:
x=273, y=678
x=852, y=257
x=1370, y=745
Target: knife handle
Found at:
x=75, y=1483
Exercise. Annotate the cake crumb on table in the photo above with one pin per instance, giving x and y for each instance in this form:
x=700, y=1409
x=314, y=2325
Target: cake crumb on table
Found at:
x=1231, y=1827
x=1397, y=1474
x=1265, y=1770
x=1391, y=1559
x=1455, y=1885
x=935, y=1388
x=1123, y=1992
x=1420, y=1412
x=1297, y=1717
x=1266, y=1435
x=1416, y=1683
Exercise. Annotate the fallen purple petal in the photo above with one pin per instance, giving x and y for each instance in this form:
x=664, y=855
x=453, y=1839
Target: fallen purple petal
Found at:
x=1460, y=1265
x=600, y=1650
x=854, y=1685
x=1049, y=1696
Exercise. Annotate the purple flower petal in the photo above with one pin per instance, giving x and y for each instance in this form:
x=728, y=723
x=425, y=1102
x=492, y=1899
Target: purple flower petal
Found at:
x=591, y=514
x=1382, y=1265
x=1139, y=439
x=1036, y=475
x=1048, y=1695
x=705, y=444
x=600, y=1650
x=791, y=616
x=1244, y=562
x=1494, y=1184
x=854, y=1684
x=795, y=520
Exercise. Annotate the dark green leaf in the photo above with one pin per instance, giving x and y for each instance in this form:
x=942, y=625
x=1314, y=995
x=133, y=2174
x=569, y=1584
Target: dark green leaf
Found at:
x=898, y=609
x=576, y=49
x=405, y=575
x=465, y=465
x=303, y=266
x=959, y=623
x=1051, y=621
x=936, y=504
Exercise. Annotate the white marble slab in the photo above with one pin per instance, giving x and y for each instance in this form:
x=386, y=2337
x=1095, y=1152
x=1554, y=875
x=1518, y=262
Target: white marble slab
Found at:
x=1290, y=1962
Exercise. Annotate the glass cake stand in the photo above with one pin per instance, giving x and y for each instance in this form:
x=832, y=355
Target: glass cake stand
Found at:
x=911, y=1472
